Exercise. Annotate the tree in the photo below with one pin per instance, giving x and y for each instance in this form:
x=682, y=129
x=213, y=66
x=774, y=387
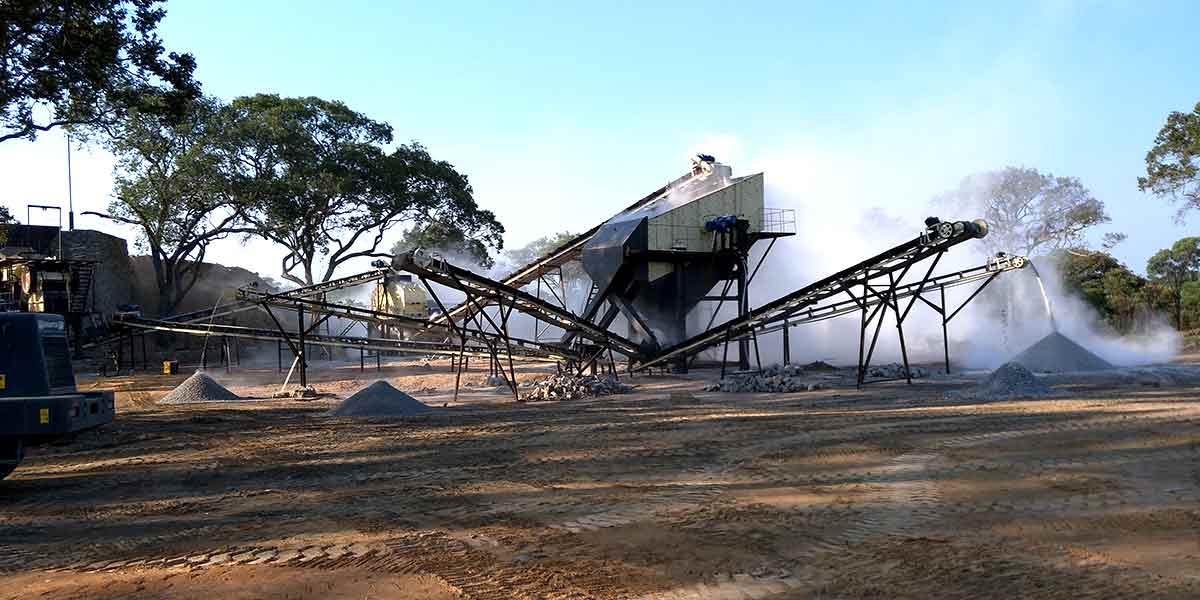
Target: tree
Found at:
x=1190, y=299
x=167, y=185
x=87, y=63
x=447, y=240
x=537, y=248
x=6, y=216
x=1174, y=267
x=1027, y=212
x=1173, y=164
x=1116, y=293
x=311, y=176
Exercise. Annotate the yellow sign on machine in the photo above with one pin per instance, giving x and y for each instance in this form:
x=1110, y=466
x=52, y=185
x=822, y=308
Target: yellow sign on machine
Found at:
x=3, y=381
x=44, y=416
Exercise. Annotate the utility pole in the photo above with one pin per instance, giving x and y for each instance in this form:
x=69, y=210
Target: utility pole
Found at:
x=70, y=198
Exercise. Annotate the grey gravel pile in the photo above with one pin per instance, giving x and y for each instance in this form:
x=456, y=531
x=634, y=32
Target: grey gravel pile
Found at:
x=761, y=382
x=568, y=387
x=777, y=378
x=199, y=388
x=895, y=371
x=1057, y=353
x=1010, y=382
x=379, y=399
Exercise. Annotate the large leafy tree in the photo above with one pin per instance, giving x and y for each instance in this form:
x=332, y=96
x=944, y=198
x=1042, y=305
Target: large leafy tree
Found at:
x=1173, y=164
x=86, y=62
x=167, y=184
x=1119, y=295
x=6, y=216
x=1027, y=211
x=448, y=240
x=311, y=175
x=1173, y=268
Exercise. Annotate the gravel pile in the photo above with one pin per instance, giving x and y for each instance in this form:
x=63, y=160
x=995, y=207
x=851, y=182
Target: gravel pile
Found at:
x=1057, y=353
x=895, y=371
x=379, y=399
x=199, y=388
x=776, y=378
x=568, y=387
x=745, y=384
x=1010, y=382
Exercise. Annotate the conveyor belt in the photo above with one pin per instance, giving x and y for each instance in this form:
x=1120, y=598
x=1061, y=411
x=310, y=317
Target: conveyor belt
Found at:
x=888, y=264
x=814, y=314
x=553, y=259
x=355, y=313
x=303, y=292
x=439, y=271
x=376, y=344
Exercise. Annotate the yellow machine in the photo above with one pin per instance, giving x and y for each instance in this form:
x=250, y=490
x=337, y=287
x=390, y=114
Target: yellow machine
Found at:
x=399, y=295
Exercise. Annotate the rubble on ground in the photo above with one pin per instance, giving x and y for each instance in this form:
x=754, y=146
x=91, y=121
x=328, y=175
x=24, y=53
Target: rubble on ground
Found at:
x=744, y=384
x=379, y=399
x=570, y=387
x=895, y=371
x=776, y=378
x=199, y=388
x=1010, y=382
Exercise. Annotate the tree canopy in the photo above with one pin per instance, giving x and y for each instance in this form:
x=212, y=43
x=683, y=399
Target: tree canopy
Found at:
x=448, y=240
x=6, y=216
x=87, y=63
x=1027, y=212
x=1173, y=164
x=166, y=183
x=312, y=176
x=1120, y=296
x=1174, y=268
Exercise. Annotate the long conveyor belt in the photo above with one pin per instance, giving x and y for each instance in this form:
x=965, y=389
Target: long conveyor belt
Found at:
x=309, y=291
x=529, y=273
x=430, y=268
x=376, y=344
x=366, y=315
x=889, y=266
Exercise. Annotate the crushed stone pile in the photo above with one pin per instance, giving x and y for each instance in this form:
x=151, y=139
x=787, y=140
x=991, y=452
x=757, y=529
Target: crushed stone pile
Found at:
x=1010, y=382
x=1057, y=353
x=895, y=371
x=776, y=378
x=379, y=399
x=569, y=387
x=199, y=388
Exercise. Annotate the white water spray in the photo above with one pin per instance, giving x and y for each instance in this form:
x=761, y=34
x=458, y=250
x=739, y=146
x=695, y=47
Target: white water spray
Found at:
x=1045, y=297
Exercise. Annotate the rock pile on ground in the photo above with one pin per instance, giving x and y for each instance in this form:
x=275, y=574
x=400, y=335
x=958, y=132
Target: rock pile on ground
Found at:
x=745, y=384
x=199, y=388
x=776, y=378
x=379, y=399
x=569, y=387
x=1010, y=382
x=895, y=371
x=1057, y=353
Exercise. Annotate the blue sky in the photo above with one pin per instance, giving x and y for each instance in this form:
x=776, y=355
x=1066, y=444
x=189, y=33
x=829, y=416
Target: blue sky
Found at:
x=563, y=112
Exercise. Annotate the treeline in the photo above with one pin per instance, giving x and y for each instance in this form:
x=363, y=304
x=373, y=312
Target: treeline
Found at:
x=1124, y=298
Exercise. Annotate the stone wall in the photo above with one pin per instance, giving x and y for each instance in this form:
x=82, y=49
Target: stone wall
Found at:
x=112, y=280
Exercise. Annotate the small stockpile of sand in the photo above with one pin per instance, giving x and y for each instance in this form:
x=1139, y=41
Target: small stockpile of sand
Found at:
x=1056, y=353
x=1011, y=381
x=379, y=399
x=199, y=388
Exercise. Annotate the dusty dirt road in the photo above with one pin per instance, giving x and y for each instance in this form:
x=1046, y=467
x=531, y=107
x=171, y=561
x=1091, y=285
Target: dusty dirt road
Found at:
x=889, y=492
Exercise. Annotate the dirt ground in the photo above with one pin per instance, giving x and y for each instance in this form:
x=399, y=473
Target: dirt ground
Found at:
x=888, y=492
